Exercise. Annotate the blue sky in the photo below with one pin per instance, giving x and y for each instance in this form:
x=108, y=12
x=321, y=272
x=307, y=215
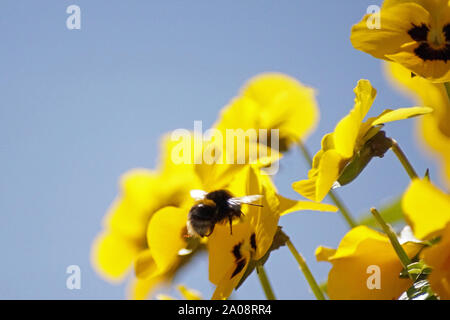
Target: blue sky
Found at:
x=80, y=107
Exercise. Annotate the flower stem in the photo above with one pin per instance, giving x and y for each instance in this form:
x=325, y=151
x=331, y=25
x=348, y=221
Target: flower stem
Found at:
x=305, y=153
x=334, y=197
x=392, y=238
x=308, y=275
x=265, y=282
x=403, y=160
x=342, y=209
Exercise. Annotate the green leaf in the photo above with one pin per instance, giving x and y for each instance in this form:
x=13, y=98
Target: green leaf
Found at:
x=392, y=213
x=420, y=290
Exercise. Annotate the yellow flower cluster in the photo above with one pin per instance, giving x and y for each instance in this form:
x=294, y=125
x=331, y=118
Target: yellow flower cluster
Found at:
x=149, y=226
x=414, y=37
x=146, y=225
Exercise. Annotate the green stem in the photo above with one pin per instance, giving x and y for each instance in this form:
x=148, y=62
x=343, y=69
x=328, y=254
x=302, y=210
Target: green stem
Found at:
x=305, y=153
x=333, y=196
x=392, y=238
x=304, y=267
x=343, y=209
x=265, y=282
x=403, y=160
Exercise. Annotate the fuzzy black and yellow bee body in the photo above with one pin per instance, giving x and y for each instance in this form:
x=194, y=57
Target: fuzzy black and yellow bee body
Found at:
x=215, y=207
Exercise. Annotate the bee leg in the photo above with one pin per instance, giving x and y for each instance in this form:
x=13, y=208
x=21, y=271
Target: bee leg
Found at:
x=231, y=225
x=210, y=232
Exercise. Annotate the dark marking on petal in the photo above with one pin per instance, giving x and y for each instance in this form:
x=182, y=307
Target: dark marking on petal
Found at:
x=253, y=241
x=239, y=266
x=237, y=251
x=425, y=52
x=240, y=261
x=419, y=33
x=446, y=30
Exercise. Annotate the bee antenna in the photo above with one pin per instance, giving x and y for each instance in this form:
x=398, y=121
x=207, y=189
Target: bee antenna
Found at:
x=231, y=225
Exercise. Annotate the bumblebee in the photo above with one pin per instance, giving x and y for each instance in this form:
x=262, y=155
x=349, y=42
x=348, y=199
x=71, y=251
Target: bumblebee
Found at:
x=215, y=207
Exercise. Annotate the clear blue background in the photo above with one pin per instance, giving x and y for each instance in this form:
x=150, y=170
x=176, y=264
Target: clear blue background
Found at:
x=80, y=107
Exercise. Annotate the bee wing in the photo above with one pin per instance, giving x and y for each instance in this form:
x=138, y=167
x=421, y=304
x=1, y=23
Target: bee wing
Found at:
x=246, y=199
x=184, y=252
x=198, y=194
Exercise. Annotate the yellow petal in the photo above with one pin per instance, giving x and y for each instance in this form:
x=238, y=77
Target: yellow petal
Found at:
x=112, y=255
x=432, y=6
x=434, y=129
x=426, y=208
x=400, y=114
x=306, y=188
x=141, y=289
x=141, y=195
x=273, y=101
x=189, y=294
x=124, y=218
x=438, y=258
x=321, y=179
x=329, y=171
x=288, y=206
x=425, y=92
x=347, y=129
x=221, y=245
x=324, y=253
x=228, y=283
x=144, y=266
x=264, y=220
x=138, y=185
x=165, y=236
x=284, y=103
x=177, y=151
x=433, y=70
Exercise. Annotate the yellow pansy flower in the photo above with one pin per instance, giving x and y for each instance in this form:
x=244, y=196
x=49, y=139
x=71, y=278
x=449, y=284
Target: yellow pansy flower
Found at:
x=352, y=139
x=230, y=254
x=414, y=33
x=365, y=266
x=273, y=101
x=434, y=128
x=123, y=239
x=428, y=211
x=116, y=247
